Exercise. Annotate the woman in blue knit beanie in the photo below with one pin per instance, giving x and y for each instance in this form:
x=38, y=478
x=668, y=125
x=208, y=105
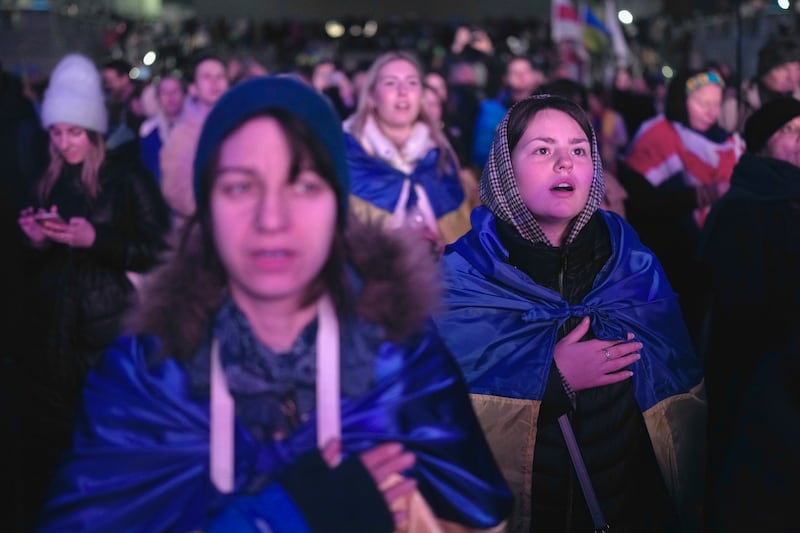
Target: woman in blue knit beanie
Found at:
x=279, y=371
x=405, y=173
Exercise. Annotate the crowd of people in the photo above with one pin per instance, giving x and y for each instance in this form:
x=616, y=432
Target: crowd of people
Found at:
x=471, y=296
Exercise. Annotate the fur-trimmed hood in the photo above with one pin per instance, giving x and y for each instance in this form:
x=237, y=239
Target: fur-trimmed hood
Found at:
x=398, y=278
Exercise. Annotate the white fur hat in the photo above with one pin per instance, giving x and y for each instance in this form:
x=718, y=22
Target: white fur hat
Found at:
x=75, y=95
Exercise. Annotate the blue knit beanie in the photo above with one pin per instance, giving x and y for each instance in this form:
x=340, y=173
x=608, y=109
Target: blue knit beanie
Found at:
x=265, y=93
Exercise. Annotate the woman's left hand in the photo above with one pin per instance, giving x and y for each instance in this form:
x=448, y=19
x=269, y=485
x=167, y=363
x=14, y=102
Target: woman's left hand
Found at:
x=78, y=233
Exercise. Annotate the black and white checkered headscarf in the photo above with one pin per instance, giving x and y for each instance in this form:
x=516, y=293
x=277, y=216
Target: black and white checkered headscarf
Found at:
x=500, y=194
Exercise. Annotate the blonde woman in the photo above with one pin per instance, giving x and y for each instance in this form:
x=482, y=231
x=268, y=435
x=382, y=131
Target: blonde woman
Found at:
x=404, y=171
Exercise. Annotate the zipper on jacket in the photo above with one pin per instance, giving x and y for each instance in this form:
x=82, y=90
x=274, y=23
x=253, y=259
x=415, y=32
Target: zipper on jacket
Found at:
x=562, y=275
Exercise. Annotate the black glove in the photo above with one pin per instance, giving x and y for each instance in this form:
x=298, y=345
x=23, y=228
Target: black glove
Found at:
x=343, y=499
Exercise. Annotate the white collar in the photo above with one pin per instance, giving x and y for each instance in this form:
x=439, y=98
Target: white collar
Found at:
x=405, y=158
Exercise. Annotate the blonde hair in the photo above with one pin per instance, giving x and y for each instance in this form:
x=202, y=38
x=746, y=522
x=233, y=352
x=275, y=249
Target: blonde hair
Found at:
x=90, y=172
x=447, y=156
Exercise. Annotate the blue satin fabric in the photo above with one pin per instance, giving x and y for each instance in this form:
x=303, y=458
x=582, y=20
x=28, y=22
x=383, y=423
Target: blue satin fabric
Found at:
x=377, y=182
x=502, y=327
x=141, y=448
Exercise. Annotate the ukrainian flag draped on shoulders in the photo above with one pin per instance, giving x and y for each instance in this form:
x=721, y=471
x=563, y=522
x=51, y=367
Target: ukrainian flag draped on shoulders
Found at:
x=502, y=328
x=376, y=188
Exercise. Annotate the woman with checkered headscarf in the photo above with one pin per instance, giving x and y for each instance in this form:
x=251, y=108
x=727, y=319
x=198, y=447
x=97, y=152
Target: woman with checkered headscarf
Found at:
x=563, y=322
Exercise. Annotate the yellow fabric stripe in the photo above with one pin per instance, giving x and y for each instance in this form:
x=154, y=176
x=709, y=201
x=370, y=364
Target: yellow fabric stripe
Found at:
x=421, y=518
x=677, y=428
x=367, y=212
x=451, y=226
x=455, y=223
x=510, y=427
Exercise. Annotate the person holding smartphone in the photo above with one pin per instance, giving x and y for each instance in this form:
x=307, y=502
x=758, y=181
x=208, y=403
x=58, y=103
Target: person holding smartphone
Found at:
x=93, y=221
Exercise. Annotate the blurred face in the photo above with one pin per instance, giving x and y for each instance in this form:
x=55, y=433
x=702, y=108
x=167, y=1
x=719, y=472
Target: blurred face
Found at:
x=432, y=105
x=116, y=85
x=273, y=230
x=783, y=78
x=437, y=83
x=72, y=142
x=397, y=95
x=358, y=81
x=596, y=105
x=463, y=74
x=785, y=143
x=210, y=82
x=170, y=97
x=321, y=76
x=703, y=106
x=521, y=77
x=794, y=69
x=622, y=80
x=553, y=167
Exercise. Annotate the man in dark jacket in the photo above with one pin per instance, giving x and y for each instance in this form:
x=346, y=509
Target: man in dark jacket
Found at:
x=751, y=243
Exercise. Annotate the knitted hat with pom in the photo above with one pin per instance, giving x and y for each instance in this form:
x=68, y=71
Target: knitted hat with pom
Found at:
x=75, y=96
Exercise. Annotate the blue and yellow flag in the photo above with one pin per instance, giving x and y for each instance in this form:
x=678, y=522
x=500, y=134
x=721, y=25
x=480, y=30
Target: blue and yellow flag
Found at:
x=596, y=36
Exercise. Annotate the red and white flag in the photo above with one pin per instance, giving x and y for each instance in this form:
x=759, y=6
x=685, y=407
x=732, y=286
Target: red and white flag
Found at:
x=565, y=25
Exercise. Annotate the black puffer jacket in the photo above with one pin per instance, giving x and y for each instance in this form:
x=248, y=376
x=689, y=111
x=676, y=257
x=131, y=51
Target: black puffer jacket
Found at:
x=78, y=298
x=607, y=421
x=751, y=244
x=83, y=292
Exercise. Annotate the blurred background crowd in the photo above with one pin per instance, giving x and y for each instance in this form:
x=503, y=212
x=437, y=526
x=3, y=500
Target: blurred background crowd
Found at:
x=669, y=90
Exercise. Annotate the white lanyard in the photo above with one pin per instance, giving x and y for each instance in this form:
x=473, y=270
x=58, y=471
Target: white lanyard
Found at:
x=222, y=407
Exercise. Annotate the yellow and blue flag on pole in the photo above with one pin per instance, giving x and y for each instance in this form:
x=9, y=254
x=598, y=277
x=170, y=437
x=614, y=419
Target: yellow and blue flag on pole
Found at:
x=596, y=36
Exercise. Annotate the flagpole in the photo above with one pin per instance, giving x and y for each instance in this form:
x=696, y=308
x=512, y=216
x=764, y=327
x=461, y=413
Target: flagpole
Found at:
x=738, y=77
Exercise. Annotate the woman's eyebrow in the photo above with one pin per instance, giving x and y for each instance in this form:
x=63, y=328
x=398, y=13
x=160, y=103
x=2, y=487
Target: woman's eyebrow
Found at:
x=550, y=140
x=235, y=168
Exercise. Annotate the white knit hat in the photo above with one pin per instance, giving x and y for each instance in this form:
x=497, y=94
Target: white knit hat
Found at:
x=75, y=96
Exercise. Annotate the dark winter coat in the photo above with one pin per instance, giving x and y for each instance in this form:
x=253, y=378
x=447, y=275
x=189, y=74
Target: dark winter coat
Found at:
x=78, y=298
x=751, y=244
x=758, y=489
x=607, y=420
x=83, y=292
